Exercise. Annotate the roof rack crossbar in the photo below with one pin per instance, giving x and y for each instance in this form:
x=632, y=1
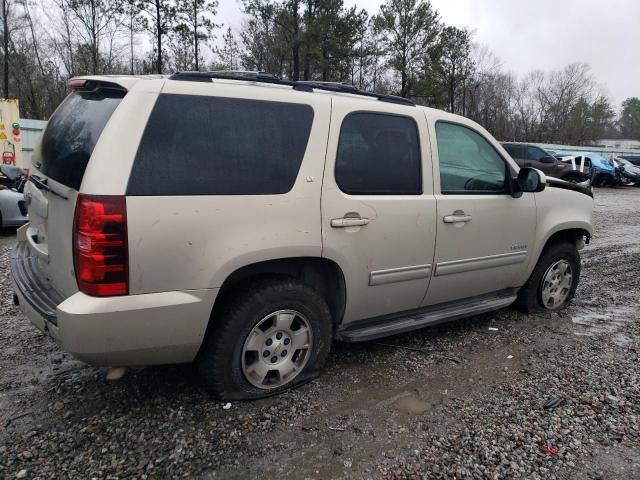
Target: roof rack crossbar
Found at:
x=303, y=86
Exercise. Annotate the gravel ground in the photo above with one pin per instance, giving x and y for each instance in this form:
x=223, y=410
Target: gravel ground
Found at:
x=472, y=408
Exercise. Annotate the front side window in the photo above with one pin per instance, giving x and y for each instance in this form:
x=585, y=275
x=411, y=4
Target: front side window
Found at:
x=378, y=154
x=468, y=162
x=201, y=145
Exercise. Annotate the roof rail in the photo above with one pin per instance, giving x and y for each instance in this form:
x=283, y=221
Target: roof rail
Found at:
x=303, y=86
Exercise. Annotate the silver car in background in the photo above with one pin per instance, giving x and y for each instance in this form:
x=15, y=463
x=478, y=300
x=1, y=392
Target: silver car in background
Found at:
x=13, y=208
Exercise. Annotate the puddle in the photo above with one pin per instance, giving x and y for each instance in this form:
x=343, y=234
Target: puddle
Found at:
x=592, y=324
x=411, y=405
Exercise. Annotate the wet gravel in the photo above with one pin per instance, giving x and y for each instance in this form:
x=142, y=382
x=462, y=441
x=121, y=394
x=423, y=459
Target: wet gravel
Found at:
x=471, y=407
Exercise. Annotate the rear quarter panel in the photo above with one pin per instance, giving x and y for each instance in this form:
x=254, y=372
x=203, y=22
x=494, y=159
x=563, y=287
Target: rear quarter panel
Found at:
x=195, y=242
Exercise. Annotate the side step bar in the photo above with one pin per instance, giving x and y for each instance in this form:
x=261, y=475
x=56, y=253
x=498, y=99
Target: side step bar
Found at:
x=386, y=325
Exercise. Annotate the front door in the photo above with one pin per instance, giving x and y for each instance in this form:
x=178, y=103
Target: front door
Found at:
x=485, y=236
x=378, y=209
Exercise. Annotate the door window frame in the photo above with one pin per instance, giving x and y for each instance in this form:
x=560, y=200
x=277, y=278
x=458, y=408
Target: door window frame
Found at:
x=510, y=173
x=419, y=144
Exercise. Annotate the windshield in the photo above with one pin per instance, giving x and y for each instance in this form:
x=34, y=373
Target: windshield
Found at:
x=72, y=133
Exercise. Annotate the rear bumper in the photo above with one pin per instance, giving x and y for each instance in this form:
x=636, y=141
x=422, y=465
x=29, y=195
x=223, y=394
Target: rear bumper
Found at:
x=133, y=330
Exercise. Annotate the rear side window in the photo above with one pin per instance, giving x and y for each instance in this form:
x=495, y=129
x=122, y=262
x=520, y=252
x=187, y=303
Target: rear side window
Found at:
x=201, y=145
x=514, y=150
x=72, y=133
x=378, y=155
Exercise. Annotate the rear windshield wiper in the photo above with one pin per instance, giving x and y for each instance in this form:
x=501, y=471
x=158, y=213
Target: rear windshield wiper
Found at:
x=42, y=185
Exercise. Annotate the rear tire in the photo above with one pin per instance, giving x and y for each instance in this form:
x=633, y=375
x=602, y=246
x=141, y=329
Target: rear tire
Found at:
x=549, y=286
x=281, y=327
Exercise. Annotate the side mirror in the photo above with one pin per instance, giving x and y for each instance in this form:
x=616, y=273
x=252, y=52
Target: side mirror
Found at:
x=548, y=159
x=531, y=180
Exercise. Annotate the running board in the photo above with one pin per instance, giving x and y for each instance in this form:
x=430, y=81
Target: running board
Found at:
x=386, y=325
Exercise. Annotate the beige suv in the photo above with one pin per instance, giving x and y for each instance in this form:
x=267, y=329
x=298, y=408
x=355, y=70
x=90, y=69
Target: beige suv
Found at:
x=244, y=222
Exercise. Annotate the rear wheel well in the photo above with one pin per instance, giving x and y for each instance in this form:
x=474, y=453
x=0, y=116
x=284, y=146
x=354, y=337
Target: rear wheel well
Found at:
x=321, y=274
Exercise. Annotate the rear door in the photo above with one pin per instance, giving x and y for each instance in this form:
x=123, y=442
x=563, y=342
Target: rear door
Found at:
x=59, y=164
x=378, y=209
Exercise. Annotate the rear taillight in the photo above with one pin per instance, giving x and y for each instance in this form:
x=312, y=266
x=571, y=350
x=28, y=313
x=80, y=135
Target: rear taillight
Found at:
x=100, y=251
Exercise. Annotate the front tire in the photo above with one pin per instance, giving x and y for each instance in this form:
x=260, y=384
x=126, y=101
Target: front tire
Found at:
x=554, y=280
x=272, y=336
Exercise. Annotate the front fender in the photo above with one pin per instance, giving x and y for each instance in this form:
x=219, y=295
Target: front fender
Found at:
x=558, y=210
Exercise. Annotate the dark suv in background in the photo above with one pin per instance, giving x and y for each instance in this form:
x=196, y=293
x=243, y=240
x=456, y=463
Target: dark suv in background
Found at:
x=527, y=155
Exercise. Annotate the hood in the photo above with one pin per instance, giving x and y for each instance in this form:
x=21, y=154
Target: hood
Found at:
x=583, y=187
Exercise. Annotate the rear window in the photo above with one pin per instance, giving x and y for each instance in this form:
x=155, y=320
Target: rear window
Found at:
x=72, y=133
x=202, y=145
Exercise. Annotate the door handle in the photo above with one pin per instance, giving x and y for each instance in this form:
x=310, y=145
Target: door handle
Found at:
x=348, y=222
x=457, y=217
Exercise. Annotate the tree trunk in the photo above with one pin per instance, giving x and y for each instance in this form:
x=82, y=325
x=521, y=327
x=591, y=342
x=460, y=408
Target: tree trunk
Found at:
x=452, y=87
x=296, y=41
x=307, y=41
x=131, y=39
x=195, y=34
x=5, y=60
x=159, y=28
x=94, y=38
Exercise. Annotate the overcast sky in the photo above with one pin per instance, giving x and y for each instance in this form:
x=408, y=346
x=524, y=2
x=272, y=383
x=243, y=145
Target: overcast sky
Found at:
x=540, y=34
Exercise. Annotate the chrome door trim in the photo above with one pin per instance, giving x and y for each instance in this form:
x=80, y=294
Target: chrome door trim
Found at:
x=480, y=263
x=401, y=274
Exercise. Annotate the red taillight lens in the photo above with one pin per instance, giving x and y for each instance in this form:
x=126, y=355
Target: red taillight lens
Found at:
x=100, y=250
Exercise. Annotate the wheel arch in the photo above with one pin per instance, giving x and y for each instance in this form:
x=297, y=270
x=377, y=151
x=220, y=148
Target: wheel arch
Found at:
x=323, y=275
x=572, y=235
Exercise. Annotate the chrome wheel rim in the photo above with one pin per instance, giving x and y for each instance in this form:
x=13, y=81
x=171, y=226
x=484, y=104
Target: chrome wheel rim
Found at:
x=277, y=349
x=556, y=284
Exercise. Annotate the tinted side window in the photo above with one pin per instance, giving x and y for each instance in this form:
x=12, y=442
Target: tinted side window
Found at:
x=200, y=145
x=514, y=150
x=72, y=133
x=378, y=155
x=535, y=153
x=468, y=162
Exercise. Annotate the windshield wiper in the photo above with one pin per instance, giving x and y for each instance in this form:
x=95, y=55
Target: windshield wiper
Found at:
x=42, y=185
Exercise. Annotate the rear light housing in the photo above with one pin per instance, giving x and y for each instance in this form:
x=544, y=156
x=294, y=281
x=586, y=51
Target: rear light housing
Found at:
x=77, y=83
x=100, y=249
